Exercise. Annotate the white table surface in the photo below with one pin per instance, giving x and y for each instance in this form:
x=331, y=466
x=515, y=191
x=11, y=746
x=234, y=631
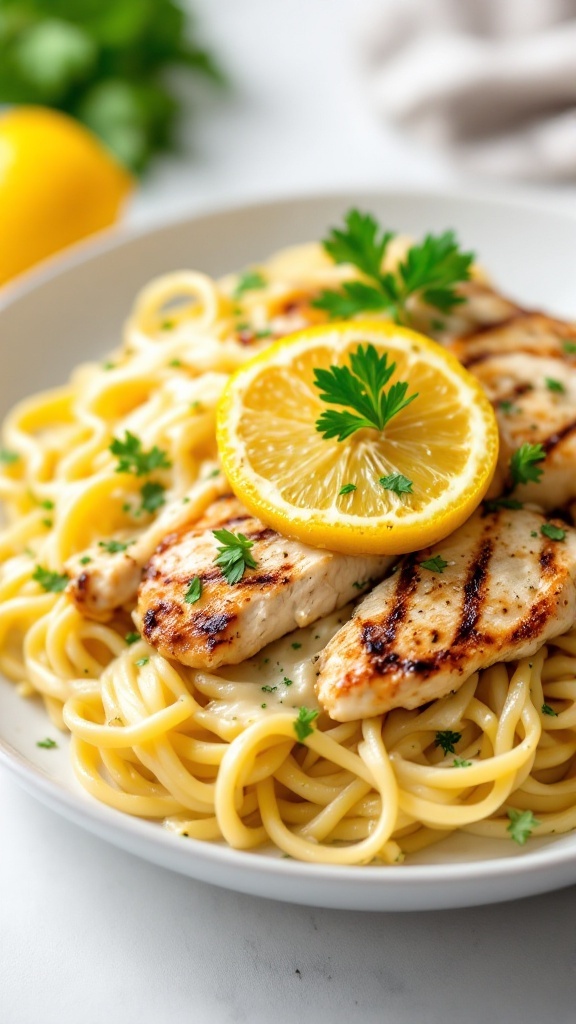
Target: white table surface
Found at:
x=90, y=934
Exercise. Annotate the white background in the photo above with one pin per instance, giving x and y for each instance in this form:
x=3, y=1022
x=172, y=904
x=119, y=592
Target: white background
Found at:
x=91, y=935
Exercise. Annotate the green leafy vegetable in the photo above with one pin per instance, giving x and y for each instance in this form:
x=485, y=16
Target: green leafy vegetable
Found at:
x=555, y=385
x=52, y=582
x=194, y=592
x=360, y=387
x=347, y=489
x=47, y=744
x=113, y=547
x=524, y=464
x=268, y=689
x=396, y=482
x=302, y=724
x=446, y=739
x=496, y=503
x=287, y=682
x=153, y=497
x=132, y=638
x=250, y=281
x=460, y=762
x=133, y=459
x=110, y=63
x=429, y=271
x=234, y=555
x=296, y=646
x=436, y=564
x=522, y=824
x=553, y=532
x=547, y=710
x=507, y=407
x=85, y=560
x=569, y=347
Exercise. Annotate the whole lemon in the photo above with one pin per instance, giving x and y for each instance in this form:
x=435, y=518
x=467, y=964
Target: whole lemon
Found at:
x=58, y=184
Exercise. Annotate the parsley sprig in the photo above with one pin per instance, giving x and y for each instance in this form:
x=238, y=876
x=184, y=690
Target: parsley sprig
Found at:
x=359, y=387
x=302, y=724
x=524, y=466
x=133, y=459
x=446, y=739
x=51, y=582
x=430, y=271
x=234, y=555
x=522, y=824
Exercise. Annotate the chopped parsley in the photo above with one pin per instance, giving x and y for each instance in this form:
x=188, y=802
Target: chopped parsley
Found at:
x=302, y=724
x=108, y=365
x=142, y=661
x=507, y=407
x=524, y=467
x=132, y=638
x=553, y=532
x=47, y=504
x=360, y=387
x=496, y=503
x=54, y=582
x=234, y=555
x=435, y=564
x=47, y=744
x=287, y=682
x=396, y=482
x=460, y=762
x=430, y=270
x=176, y=363
x=522, y=824
x=8, y=458
x=268, y=689
x=569, y=347
x=85, y=560
x=547, y=710
x=113, y=547
x=194, y=592
x=153, y=498
x=555, y=385
x=168, y=325
x=249, y=281
x=446, y=739
x=133, y=459
x=296, y=646
x=347, y=489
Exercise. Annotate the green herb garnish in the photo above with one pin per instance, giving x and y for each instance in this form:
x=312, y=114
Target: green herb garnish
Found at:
x=494, y=504
x=547, y=710
x=553, y=532
x=268, y=689
x=569, y=347
x=47, y=744
x=359, y=386
x=153, y=498
x=133, y=459
x=8, y=458
x=436, y=564
x=113, y=547
x=347, y=489
x=446, y=739
x=85, y=560
x=429, y=271
x=194, y=592
x=524, y=464
x=396, y=482
x=53, y=582
x=555, y=385
x=522, y=824
x=250, y=281
x=459, y=762
x=234, y=555
x=132, y=638
x=302, y=724
x=142, y=661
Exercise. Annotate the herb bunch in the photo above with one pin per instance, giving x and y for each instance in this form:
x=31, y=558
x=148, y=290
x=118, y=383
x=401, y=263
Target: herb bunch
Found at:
x=105, y=62
x=430, y=271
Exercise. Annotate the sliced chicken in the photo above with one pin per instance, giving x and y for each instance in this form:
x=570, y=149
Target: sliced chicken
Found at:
x=532, y=333
x=102, y=581
x=505, y=590
x=535, y=402
x=483, y=309
x=292, y=586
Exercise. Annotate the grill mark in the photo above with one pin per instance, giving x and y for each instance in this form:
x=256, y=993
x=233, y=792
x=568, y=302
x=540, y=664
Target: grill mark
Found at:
x=474, y=594
x=495, y=325
x=534, y=621
x=212, y=628
x=551, y=442
x=375, y=637
x=547, y=561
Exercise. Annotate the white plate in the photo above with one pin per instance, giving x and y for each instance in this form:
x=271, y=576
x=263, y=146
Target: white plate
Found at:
x=74, y=310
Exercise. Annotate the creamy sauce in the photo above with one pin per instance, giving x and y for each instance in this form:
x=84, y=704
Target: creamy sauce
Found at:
x=282, y=676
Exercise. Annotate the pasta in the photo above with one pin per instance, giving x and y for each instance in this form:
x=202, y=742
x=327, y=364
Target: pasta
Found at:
x=214, y=756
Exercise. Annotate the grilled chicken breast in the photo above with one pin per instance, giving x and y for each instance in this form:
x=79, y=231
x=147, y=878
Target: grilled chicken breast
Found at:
x=532, y=333
x=292, y=586
x=505, y=590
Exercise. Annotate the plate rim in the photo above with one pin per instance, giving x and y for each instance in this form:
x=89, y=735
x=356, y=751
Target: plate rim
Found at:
x=153, y=840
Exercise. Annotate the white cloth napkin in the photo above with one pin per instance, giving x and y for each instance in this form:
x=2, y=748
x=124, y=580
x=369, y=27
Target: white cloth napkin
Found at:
x=491, y=81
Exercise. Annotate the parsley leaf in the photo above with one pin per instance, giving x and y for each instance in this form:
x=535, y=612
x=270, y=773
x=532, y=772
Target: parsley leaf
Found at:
x=302, y=724
x=507, y=407
x=152, y=497
x=436, y=564
x=234, y=555
x=523, y=464
x=47, y=744
x=268, y=689
x=522, y=824
x=132, y=638
x=194, y=592
x=396, y=482
x=547, y=710
x=555, y=385
x=569, y=347
x=142, y=661
x=460, y=762
x=347, y=489
x=446, y=739
x=132, y=458
x=249, y=282
x=496, y=503
x=85, y=560
x=53, y=582
x=113, y=547
x=553, y=532
x=8, y=458
x=359, y=386
x=430, y=270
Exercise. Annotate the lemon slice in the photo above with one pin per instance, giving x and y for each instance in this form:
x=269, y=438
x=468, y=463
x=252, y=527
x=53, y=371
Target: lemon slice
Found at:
x=445, y=442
